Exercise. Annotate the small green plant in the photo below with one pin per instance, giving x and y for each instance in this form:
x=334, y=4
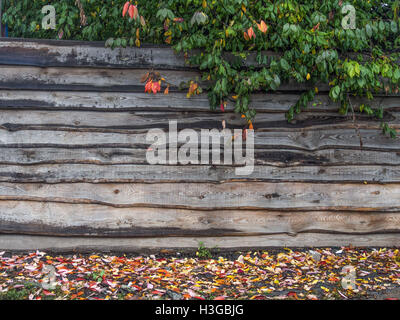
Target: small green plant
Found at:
x=14, y=294
x=203, y=252
x=98, y=276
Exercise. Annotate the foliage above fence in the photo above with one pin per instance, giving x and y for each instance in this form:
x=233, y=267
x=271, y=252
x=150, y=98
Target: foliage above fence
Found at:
x=311, y=42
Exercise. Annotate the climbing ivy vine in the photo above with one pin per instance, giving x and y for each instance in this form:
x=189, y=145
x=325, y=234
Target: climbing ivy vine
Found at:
x=294, y=41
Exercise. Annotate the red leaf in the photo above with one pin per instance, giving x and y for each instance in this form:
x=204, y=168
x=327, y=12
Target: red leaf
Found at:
x=157, y=292
x=126, y=6
x=148, y=86
x=156, y=87
x=133, y=12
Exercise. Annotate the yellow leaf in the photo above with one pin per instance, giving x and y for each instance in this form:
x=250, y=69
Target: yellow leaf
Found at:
x=308, y=76
x=262, y=26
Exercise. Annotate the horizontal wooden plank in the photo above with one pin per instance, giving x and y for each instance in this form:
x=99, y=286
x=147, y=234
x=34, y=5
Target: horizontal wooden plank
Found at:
x=85, y=79
x=297, y=139
x=48, y=53
x=100, y=80
x=175, y=101
x=139, y=121
x=271, y=157
x=20, y=51
x=65, y=219
x=82, y=244
x=209, y=196
x=55, y=53
x=57, y=173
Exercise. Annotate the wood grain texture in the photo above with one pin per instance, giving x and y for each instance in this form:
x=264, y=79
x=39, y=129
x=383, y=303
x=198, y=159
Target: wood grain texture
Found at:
x=114, y=80
x=269, y=157
x=84, y=79
x=74, y=173
x=212, y=196
x=298, y=139
x=65, y=219
x=50, y=53
x=139, y=121
x=175, y=101
x=79, y=244
x=154, y=174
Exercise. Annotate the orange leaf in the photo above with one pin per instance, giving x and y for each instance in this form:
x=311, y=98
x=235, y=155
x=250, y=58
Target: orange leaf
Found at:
x=166, y=91
x=246, y=36
x=251, y=33
x=262, y=26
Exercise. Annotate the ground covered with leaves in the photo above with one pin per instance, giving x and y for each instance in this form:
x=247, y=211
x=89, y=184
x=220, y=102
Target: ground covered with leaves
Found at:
x=207, y=274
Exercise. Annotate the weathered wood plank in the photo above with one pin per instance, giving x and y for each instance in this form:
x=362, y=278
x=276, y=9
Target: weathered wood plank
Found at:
x=18, y=52
x=271, y=157
x=175, y=101
x=84, y=79
x=209, y=196
x=111, y=80
x=99, y=80
x=48, y=53
x=297, y=139
x=82, y=244
x=57, y=173
x=64, y=219
x=139, y=121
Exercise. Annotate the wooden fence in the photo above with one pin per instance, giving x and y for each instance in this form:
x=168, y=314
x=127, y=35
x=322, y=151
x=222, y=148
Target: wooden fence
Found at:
x=74, y=175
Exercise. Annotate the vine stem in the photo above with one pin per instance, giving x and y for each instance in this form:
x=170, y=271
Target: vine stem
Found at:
x=354, y=121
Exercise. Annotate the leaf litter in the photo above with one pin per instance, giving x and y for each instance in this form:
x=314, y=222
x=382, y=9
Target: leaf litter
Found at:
x=294, y=274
